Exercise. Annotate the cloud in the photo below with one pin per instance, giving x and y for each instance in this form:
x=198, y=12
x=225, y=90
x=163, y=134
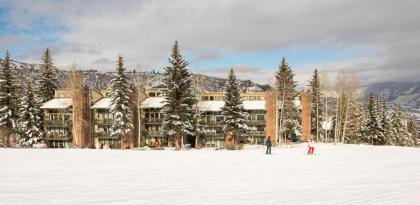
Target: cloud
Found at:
x=143, y=31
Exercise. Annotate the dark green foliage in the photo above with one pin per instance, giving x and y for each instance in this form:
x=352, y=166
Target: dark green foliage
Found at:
x=120, y=102
x=179, y=112
x=286, y=93
x=8, y=96
x=315, y=86
x=234, y=114
x=48, y=82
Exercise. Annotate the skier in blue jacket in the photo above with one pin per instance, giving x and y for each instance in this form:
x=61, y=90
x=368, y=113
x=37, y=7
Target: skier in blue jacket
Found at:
x=268, y=143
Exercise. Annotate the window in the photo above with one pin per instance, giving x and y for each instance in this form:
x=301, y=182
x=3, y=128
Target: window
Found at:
x=260, y=117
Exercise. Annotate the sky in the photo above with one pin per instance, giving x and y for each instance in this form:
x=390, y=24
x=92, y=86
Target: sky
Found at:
x=376, y=40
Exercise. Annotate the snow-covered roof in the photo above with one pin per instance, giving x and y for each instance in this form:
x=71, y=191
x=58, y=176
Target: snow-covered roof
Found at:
x=214, y=106
x=57, y=103
x=153, y=102
x=217, y=105
x=104, y=103
x=254, y=105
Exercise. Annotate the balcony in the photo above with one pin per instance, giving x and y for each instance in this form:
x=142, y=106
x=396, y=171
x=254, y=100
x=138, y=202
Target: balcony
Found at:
x=213, y=135
x=255, y=122
x=105, y=121
x=153, y=120
x=210, y=123
x=57, y=123
x=153, y=133
x=58, y=137
x=256, y=133
x=104, y=135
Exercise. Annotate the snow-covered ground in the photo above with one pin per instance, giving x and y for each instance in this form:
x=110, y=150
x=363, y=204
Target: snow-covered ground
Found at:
x=339, y=174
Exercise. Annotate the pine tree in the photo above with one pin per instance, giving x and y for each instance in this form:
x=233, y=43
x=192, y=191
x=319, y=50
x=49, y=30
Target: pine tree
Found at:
x=286, y=92
x=29, y=121
x=385, y=122
x=315, y=85
x=234, y=114
x=412, y=129
x=8, y=97
x=120, y=103
x=400, y=136
x=372, y=130
x=178, y=110
x=48, y=82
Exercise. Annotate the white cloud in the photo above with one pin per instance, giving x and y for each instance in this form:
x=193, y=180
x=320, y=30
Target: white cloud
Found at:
x=143, y=31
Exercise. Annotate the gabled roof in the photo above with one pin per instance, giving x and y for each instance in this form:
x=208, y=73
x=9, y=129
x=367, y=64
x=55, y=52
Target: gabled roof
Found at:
x=104, y=103
x=58, y=103
x=153, y=102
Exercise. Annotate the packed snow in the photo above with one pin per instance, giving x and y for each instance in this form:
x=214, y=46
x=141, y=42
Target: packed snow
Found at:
x=336, y=174
x=57, y=103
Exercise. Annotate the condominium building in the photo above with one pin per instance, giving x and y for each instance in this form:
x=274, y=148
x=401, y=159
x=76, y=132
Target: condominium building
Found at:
x=262, y=110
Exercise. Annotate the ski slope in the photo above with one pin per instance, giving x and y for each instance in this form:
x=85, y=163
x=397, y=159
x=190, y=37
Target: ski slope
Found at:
x=339, y=174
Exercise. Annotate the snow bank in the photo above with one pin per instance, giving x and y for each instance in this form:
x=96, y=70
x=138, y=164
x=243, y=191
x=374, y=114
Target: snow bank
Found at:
x=342, y=174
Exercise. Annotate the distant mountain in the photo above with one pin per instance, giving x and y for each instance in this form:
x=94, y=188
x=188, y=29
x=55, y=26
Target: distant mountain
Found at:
x=403, y=93
x=100, y=80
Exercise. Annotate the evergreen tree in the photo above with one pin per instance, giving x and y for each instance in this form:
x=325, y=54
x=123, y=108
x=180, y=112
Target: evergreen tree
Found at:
x=178, y=110
x=400, y=135
x=412, y=129
x=48, y=82
x=120, y=102
x=286, y=93
x=385, y=122
x=29, y=121
x=8, y=97
x=234, y=114
x=315, y=85
x=372, y=130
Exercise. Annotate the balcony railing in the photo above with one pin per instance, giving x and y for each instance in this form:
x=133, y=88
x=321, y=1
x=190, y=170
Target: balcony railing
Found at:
x=255, y=133
x=58, y=137
x=213, y=135
x=57, y=123
x=211, y=123
x=255, y=122
x=104, y=121
x=104, y=135
x=153, y=133
x=153, y=120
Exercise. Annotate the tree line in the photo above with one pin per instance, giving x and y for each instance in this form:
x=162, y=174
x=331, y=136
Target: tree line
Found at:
x=341, y=118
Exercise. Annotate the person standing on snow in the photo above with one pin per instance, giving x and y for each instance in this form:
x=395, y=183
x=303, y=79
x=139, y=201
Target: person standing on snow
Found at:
x=268, y=143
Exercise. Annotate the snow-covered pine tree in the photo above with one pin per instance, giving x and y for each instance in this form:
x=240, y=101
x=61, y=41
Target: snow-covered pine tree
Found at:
x=400, y=135
x=385, y=122
x=29, y=121
x=233, y=111
x=412, y=129
x=120, y=103
x=372, y=130
x=48, y=79
x=286, y=93
x=315, y=85
x=178, y=110
x=380, y=111
x=8, y=97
